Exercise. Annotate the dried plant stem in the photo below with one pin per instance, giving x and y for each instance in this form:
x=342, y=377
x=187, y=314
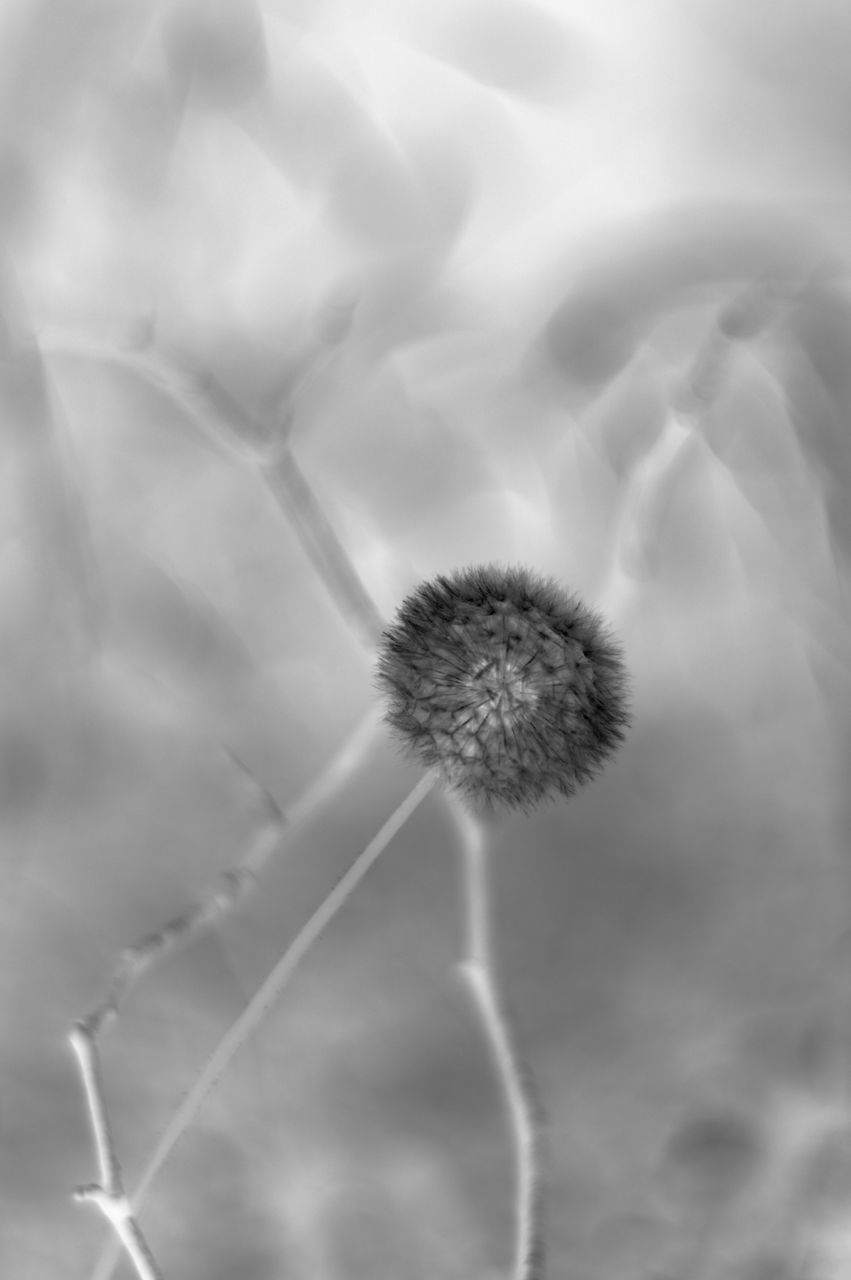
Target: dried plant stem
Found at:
x=177, y=933
x=479, y=971
x=291, y=490
x=137, y=959
x=750, y=311
x=225, y=426
x=267, y=994
x=109, y=1195
x=232, y=428
x=276, y=832
x=265, y=997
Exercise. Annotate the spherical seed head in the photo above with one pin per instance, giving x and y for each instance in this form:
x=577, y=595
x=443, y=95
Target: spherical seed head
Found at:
x=507, y=684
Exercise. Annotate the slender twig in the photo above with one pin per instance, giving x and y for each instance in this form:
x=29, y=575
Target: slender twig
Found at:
x=199, y=395
x=267, y=994
x=276, y=833
x=62, y=539
x=742, y=318
x=479, y=971
x=109, y=1195
x=190, y=393
x=137, y=959
x=335, y=773
x=155, y=947
x=291, y=489
x=222, y=421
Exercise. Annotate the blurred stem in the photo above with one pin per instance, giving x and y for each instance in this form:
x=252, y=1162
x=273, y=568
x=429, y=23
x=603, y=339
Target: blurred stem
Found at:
x=479, y=970
x=290, y=488
x=54, y=529
x=266, y=996
x=221, y=420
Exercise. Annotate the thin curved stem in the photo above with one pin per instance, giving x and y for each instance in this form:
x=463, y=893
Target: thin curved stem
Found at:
x=265, y=997
x=479, y=971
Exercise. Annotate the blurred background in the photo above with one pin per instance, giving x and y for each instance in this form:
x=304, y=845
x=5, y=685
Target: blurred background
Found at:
x=546, y=283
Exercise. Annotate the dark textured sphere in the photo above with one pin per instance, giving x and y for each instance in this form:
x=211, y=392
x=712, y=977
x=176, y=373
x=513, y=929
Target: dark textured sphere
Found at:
x=506, y=683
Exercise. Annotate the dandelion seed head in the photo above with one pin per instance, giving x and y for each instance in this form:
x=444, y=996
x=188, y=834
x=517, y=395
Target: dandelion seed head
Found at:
x=504, y=682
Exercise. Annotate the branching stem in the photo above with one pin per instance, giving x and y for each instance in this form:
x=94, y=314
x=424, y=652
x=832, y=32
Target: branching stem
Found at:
x=109, y=1195
x=265, y=998
x=267, y=994
x=157, y=946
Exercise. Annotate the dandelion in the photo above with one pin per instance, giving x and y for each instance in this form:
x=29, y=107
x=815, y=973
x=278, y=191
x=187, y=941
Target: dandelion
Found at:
x=505, y=683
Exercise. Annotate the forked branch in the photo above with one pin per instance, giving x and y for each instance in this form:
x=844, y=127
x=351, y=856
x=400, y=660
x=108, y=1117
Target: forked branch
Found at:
x=109, y=1194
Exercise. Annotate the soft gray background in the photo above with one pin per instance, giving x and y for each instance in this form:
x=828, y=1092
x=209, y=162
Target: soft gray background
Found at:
x=673, y=941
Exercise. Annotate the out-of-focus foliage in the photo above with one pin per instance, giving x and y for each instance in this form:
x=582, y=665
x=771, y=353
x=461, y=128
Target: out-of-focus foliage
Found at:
x=544, y=283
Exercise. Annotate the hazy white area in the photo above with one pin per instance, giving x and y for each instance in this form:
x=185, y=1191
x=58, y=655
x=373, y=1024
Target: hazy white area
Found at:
x=557, y=284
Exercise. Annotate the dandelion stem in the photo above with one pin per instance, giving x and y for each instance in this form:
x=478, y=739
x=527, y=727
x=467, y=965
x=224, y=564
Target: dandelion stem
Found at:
x=267, y=994
x=275, y=835
x=479, y=971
